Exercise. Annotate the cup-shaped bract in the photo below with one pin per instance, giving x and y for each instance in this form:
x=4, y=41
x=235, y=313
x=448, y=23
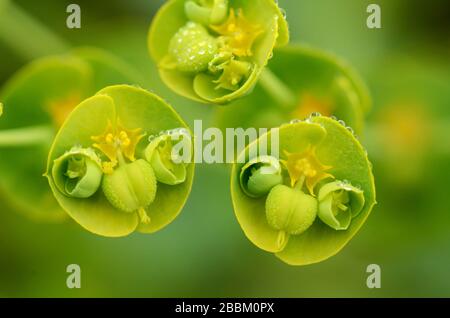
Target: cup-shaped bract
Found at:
x=318, y=82
x=213, y=51
x=313, y=153
x=37, y=100
x=114, y=122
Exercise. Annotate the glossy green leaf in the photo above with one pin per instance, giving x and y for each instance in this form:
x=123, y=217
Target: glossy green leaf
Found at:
x=337, y=148
x=110, y=214
x=264, y=25
x=320, y=83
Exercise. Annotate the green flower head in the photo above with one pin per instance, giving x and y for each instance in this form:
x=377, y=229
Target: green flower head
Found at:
x=297, y=217
x=213, y=51
x=100, y=173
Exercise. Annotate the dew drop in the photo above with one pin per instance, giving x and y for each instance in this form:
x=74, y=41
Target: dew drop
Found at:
x=295, y=121
x=316, y=114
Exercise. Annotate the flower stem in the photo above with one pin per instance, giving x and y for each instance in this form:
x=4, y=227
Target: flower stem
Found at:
x=300, y=182
x=277, y=89
x=28, y=136
x=26, y=35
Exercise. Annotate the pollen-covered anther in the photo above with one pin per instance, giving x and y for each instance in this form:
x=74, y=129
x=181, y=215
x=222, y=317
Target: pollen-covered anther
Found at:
x=240, y=33
x=306, y=165
x=118, y=140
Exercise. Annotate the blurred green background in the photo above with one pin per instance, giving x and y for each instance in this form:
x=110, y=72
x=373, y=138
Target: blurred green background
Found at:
x=204, y=253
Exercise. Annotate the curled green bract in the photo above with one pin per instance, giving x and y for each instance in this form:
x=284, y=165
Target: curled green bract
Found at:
x=339, y=203
x=260, y=175
x=168, y=154
x=214, y=51
x=78, y=173
x=107, y=131
x=311, y=214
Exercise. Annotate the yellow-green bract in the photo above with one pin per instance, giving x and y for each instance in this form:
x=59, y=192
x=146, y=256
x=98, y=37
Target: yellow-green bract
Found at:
x=323, y=149
x=214, y=51
x=114, y=122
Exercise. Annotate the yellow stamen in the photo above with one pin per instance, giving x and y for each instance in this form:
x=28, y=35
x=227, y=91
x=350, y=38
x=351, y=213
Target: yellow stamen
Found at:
x=239, y=33
x=306, y=165
x=117, y=140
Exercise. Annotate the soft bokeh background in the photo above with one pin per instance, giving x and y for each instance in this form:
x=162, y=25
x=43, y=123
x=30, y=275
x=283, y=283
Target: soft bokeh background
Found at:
x=204, y=253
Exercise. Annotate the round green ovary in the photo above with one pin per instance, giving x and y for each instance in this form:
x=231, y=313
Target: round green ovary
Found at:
x=290, y=210
x=192, y=48
x=131, y=187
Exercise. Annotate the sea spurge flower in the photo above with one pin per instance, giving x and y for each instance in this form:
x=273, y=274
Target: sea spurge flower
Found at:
x=39, y=98
x=239, y=34
x=214, y=51
x=108, y=131
x=282, y=217
x=118, y=141
x=306, y=165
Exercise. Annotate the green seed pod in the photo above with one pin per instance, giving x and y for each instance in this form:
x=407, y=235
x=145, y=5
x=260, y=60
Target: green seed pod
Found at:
x=78, y=173
x=311, y=152
x=236, y=38
x=192, y=48
x=170, y=167
x=290, y=210
x=260, y=175
x=131, y=187
x=114, y=122
x=206, y=11
x=339, y=202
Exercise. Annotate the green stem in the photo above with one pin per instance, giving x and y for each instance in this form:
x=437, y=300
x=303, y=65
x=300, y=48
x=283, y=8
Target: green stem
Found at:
x=29, y=136
x=278, y=90
x=300, y=182
x=26, y=35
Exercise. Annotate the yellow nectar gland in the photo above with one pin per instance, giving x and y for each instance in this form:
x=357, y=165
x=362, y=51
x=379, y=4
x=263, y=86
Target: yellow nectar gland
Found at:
x=240, y=34
x=117, y=143
x=306, y=166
